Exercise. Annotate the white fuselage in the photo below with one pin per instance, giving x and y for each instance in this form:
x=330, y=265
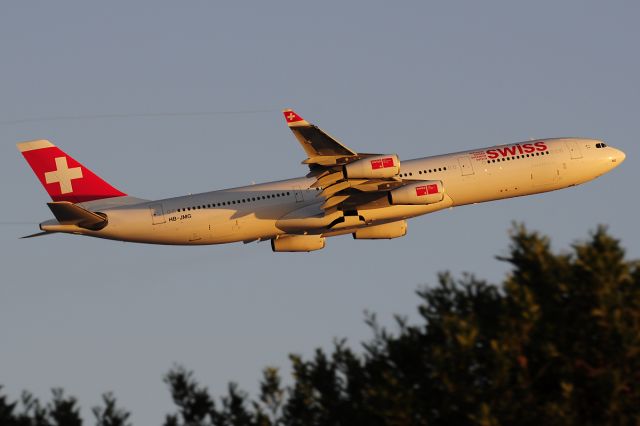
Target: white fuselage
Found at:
x=265, y=211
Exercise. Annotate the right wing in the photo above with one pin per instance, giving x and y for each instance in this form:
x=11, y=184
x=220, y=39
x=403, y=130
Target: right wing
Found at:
x=329, y=162
x=315, y=142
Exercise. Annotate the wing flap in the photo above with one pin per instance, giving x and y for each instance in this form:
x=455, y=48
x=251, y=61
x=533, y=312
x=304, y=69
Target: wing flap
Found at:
x=330, y=191
x=334, y=201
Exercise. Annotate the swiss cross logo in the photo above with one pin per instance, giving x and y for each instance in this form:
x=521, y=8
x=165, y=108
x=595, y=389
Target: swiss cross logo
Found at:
x=426, y=189
x=382, y=163
x=63, y=175
x=291, y=117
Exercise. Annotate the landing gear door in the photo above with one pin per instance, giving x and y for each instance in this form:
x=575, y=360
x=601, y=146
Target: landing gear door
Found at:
x=157, y=214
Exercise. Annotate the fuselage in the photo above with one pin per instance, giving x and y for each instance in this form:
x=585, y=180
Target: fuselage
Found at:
x=268, y=210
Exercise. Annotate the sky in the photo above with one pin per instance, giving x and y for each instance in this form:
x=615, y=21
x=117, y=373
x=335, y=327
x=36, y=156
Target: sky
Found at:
x=113, y=83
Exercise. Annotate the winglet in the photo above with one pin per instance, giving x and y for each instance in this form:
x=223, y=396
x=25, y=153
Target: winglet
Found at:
x=293, y=119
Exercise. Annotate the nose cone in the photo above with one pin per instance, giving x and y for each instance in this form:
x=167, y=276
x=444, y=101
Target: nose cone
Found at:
x=618, y=156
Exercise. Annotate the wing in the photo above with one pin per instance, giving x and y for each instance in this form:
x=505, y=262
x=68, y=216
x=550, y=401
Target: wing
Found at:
x=349, y=180
x=319, y=146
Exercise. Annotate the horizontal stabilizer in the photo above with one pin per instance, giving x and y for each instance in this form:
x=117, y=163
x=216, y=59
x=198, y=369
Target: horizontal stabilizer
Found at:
x=70, y=214
x=37, y=234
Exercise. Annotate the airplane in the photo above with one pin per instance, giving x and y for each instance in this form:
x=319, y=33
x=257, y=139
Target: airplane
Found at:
x=370, y=196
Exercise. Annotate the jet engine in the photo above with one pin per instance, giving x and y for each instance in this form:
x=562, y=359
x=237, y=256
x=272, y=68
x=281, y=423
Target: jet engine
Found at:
x=376, y=167
x=419, y=193
x=293, y=243
x=379, y=232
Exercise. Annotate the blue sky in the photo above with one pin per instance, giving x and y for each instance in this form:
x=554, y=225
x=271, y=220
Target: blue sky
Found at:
x=416, y=78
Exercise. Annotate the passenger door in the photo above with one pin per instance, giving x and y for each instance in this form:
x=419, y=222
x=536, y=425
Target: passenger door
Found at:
x=157, y=214
x=465, y=166
x=574, y=149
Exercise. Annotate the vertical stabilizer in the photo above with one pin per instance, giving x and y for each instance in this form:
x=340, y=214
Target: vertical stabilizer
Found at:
x=64, y=178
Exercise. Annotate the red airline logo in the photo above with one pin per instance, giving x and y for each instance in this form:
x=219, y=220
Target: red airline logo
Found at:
x=65, y=179
x=426, y=189
x=382, y=163
x=292, y=117
x=518, y=149
x=63, y=175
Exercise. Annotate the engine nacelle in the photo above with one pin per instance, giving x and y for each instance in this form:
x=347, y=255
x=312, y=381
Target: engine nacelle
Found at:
x=378, y=167
x=380, y=232
x=419, y=193
x=293, y=243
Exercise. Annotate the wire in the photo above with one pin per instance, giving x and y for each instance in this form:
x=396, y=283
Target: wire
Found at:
x=136, y=115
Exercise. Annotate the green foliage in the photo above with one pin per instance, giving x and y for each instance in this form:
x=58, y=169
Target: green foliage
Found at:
x=557, y=343
x=110, y=414
x=60, y=411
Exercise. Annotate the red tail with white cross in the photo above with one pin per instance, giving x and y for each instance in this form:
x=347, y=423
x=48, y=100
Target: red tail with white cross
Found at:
x=63, y=177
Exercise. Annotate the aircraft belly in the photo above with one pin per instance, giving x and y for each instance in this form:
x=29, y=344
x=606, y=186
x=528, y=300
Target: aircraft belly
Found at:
x=242, y=226
x=494, y=183
x=544, y=175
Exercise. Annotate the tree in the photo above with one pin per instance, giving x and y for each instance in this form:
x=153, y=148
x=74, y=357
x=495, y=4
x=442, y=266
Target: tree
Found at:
x=110, y=414
x=60, y=411
x=558, y=342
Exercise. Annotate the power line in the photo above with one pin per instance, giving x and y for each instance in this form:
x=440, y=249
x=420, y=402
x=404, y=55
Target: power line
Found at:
x=136, y=115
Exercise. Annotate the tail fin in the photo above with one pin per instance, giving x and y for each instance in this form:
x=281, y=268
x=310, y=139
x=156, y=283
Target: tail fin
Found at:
x=64, y=178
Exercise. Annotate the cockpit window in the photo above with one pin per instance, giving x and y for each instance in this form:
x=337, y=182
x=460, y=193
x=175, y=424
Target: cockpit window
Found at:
x=601, y=145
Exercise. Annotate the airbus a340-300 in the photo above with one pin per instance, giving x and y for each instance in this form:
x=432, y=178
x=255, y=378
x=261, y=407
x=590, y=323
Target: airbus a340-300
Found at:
x=370, y=196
